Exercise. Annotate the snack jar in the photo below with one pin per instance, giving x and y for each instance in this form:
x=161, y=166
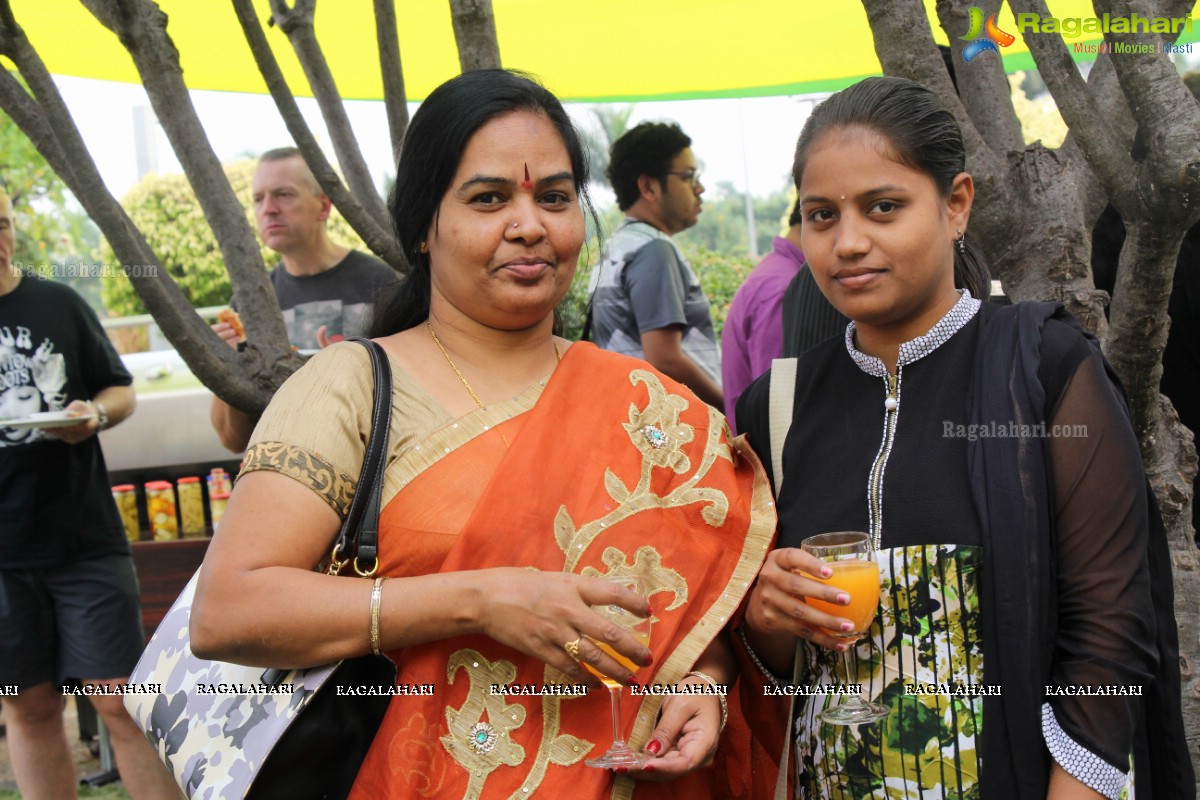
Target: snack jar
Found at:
x=216, y=505
x=125, y=496
x=219, y=482
x=191, y=507
x=160, y=507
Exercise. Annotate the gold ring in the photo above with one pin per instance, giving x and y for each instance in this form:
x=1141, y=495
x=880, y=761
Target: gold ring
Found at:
x=572, y=649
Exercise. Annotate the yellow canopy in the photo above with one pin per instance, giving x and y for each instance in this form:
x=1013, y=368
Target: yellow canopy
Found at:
x=613, y=50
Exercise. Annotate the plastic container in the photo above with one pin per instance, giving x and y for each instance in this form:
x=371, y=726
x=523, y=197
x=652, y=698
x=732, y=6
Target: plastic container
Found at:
x=125, y=496
x=216, y=505
x=191, y=507
x=219, y=483
x=160, y=507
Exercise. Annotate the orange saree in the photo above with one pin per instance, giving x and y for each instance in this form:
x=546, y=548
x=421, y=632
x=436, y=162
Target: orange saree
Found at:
x=615, y=469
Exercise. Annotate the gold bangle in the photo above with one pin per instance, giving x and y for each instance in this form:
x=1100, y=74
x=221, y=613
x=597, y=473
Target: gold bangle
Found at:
x=711, y=681
x=376, y=598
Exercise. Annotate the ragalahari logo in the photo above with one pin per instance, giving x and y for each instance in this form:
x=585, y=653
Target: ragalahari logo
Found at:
x=986, y=36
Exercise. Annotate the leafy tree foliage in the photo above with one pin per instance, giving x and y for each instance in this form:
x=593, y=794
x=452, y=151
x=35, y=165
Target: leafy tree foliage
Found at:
x=55, y=239
x=722, y=225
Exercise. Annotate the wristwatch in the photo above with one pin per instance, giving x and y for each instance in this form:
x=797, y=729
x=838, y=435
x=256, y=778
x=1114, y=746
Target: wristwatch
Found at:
x=101, y=415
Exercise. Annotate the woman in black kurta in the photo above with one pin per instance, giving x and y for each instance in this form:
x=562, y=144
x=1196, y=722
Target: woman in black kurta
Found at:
x=1012, y=531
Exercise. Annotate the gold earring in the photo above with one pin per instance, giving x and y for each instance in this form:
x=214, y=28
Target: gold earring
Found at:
x=423, y=248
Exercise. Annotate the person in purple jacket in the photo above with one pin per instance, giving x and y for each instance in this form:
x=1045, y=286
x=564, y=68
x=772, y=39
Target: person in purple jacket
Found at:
x=753, y=333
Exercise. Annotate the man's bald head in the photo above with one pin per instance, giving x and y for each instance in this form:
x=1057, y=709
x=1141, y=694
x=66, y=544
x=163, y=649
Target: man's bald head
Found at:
x=285, y=153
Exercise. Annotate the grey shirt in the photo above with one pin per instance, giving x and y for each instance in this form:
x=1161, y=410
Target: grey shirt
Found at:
x=643, y=283
x=341, y=298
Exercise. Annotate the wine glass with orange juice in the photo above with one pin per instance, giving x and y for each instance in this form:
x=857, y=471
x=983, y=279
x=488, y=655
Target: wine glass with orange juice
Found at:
x=856, y=572
x=619, y=753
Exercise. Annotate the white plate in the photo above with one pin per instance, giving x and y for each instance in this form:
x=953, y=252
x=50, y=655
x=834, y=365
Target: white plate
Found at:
x=44, y=419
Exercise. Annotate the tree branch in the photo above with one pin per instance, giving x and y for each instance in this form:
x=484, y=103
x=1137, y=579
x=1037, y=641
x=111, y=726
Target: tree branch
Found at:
x=1104, y=151
x=1137, y=335
x=50, y=127
x=142, y=27
x=1168, y=118
x=983, y=87
x=475, y=34
x=395, y=98
x=381, y=241
x=297, y=24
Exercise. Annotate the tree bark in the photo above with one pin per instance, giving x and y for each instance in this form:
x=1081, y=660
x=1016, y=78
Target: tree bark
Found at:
x=475, y=34
x=142, y=29
x=395, y=98
x=983, y=88
x=297, y=24
x=50, y=127
x=382, y=241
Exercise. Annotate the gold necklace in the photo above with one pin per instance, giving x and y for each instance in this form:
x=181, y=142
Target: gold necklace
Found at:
x=463, y=378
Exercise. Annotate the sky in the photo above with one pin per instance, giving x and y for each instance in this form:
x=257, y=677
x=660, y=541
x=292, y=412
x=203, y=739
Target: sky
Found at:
x=735, y=140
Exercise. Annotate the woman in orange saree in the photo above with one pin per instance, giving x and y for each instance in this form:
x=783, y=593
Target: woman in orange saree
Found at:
x=522, y=469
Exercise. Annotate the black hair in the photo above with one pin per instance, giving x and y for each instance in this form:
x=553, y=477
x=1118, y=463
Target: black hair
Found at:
x=647, y=149
x=430, y=154
x=797, y=215
x=923, y=136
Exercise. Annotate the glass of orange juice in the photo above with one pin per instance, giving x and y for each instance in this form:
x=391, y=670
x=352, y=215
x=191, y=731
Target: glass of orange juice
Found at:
x=620, y=754
x=856, y=572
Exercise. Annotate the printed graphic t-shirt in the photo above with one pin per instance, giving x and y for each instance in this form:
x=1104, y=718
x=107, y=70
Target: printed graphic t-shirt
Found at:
x=341, y=298
x=56, y=504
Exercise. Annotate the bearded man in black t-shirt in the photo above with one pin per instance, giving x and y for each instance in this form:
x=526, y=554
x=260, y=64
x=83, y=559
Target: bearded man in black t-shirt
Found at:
x=69, y=610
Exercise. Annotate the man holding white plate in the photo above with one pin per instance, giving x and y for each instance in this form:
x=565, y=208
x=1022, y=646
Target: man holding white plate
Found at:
x=69, y=608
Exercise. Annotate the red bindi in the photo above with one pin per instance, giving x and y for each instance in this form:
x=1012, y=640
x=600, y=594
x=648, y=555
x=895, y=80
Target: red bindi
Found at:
x=526, y=184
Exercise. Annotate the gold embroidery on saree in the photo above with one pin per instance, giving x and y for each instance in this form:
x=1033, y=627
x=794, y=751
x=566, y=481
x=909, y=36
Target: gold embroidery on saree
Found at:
x=657, y=432
x=482, y=745
x=560, y=749
x=662, y=415
x=647, y=565
x=334, y=488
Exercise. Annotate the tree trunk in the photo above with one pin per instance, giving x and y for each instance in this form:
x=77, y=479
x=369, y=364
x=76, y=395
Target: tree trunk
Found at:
x=142, y=28
x=984, y=86
x=297, y=24
x=395, y=99
x=381, y=240
x=475, y=34
x=49, y=126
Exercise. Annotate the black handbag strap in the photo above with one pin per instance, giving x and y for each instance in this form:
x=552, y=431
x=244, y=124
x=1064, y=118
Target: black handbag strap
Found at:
x=358, y=540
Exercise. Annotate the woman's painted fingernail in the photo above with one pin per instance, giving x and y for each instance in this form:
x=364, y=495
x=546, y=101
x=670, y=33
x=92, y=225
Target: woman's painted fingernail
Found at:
x=621, y=770
x=847, y=627
x=654, y=746
x=648, y=768
x=826, y=572
x=844, y=599
x=649, y=659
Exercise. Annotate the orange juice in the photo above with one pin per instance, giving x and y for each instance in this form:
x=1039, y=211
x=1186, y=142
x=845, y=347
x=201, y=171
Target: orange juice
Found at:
x=620, y=659
x=860, y=580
